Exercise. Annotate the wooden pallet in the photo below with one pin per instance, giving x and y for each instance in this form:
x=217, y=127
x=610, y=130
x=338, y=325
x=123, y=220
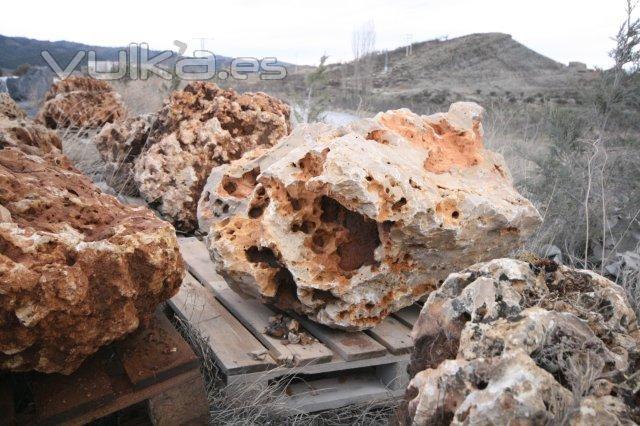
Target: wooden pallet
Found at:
x=341, y=368
x=154, y=364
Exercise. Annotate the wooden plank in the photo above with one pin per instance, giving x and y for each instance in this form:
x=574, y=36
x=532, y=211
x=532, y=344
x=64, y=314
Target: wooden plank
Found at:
x=233, y=346
x=334, y=392
x=409, y=315
x=7, y=408
x=255, y=317
x=155, y=353
x=58, y=397
x=349, y=345
x=337, y=366
x=253, y=314
x=196, y=256
x=392, y=335
x=128, y=399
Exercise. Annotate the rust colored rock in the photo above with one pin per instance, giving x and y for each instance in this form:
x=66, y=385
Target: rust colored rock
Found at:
x=199, y=128
x=349, y=225
x=77, y=268
x=507, y=342
x=120, y=144
x=18, y=131
x=81, y=102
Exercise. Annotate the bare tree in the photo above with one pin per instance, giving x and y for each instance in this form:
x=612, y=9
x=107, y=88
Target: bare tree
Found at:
x=363, y=45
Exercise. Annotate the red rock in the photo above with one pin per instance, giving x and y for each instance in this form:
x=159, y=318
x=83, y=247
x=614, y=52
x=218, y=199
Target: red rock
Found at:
x=81, y=102
x=18, y=131
x=77, y=268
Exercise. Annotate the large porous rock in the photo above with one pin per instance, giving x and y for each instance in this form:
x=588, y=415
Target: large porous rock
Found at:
x=513, y=342
x=199, y=128
x=81, y=103
x=18, y=131
x=353, y=224
x=119, y=145
x=77, y=269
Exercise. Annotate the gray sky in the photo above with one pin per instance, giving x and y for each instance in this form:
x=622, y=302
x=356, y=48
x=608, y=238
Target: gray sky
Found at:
x=300, y=32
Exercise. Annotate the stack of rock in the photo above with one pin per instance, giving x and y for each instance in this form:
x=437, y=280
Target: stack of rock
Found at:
x=349, y=225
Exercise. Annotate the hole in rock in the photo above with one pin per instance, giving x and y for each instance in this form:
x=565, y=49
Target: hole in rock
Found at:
x=399, y=204
x=255, y=212
x=262, y=255
x=455, y=214
x=241, y=187
x=361, y=238
x=287, y=294
x=230, y=187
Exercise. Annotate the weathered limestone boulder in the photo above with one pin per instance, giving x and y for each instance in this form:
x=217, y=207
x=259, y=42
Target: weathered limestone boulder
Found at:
x=512, y=342
x=199, y=128
x=77, y=269
x=120, y=144
x=18, y=131
x=81, y=102
x=350, y=225
x=228, y=187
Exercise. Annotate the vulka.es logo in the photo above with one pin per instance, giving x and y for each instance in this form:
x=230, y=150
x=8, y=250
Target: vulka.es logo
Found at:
x=135, y=63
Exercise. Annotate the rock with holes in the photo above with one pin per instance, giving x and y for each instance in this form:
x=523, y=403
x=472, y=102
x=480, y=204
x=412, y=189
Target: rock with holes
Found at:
x=570, y=337
x=199, y=128
x=349, y=225
x=81, y=102
x=119, y=145
x=18, y=131
x=228, y=187
x=78, y=269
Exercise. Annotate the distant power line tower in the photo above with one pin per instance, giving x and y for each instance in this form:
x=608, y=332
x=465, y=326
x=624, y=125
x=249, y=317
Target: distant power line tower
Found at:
x=409, y=48
x=202, y=42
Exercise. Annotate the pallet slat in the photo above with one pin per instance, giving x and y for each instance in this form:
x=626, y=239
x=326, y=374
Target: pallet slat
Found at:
x=235, y=348
x=330, y=393
x=393, y=335
x=409, y=315
x=58, y=397
x=350, y=346
x=167, y=356
x=253, y=314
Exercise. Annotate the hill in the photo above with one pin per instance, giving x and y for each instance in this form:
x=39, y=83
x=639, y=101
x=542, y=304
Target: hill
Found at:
x=15, y=51
x=475, y=67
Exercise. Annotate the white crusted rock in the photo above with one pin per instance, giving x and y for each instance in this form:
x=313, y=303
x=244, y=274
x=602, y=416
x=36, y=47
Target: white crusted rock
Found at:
x=348, y=226
x=572, y=330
